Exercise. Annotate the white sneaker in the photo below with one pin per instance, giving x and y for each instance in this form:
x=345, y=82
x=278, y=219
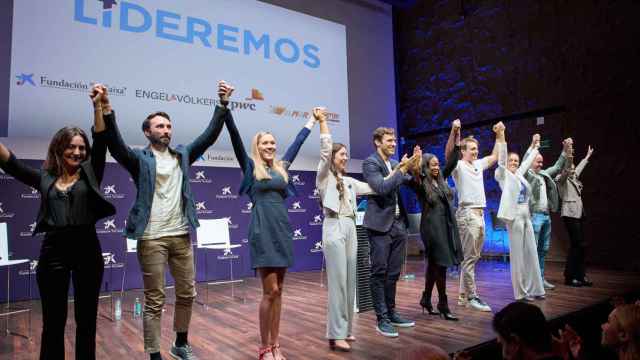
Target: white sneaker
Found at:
x=478, y=304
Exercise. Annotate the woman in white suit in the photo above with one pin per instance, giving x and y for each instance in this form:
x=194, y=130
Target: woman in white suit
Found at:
x=514, y=211
x=338, y=195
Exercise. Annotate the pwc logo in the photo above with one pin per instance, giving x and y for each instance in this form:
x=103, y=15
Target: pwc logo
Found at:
x=255, y=95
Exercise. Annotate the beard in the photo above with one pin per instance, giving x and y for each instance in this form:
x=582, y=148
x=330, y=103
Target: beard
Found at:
x=159, y=140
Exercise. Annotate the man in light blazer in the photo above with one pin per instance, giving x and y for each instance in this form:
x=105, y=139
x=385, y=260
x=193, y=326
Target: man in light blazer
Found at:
x=544, y=200
x=572, y=212
x=386, y=222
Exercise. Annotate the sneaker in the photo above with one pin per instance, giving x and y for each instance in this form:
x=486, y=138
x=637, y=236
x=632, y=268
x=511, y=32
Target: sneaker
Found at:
x=182, y=352
x=547, y=285
x=399, y=321
x=540, y=297
x=386, y=329
x=478, y=304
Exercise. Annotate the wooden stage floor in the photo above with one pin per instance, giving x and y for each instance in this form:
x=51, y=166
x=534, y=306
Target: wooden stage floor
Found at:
x=227, y=329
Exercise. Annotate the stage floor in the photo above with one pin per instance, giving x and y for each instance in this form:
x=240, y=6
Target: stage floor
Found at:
x=227, y=328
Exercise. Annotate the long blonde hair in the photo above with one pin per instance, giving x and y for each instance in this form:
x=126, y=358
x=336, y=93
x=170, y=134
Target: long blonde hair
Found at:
x=260, y=168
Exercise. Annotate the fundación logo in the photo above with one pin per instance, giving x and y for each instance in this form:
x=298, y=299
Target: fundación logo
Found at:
x=5, y=214
x=295, y=179
x=315, y=194
x=25, y=79
x=201, y=178
x=226, y=194
x=32, y=227
x=247, y=208
x=297, y=235
x=230, y=223
x=296, y=207
x=33, y=266
x=317, y=247
x=110, y=192
x=33, y=194
x=109, y=227
x=317, y=220
x=201, y=208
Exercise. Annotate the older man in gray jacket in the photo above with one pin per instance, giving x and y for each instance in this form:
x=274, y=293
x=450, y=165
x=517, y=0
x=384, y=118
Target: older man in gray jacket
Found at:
x=544, y=200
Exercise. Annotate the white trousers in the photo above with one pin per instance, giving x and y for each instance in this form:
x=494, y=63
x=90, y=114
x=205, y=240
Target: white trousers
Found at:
x=525, y=268
x=340, y=251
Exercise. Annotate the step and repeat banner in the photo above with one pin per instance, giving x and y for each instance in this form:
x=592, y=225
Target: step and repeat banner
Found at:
x=167, y=55
x=216, y=197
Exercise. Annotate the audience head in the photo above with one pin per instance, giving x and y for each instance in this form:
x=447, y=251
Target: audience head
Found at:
x=621, y=332
x=522, y=331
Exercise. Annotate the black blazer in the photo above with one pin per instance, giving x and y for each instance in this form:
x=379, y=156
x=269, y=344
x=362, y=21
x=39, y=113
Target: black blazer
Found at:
x=381, y=208
x=91, y=169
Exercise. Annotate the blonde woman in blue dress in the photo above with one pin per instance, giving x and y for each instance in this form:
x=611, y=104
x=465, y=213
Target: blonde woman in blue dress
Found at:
x=267, y=183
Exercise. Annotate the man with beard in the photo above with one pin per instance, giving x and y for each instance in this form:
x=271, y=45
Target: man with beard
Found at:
x=162, y=216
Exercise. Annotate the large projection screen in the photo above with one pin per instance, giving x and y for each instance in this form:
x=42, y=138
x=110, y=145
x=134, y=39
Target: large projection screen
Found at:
x=167, y=55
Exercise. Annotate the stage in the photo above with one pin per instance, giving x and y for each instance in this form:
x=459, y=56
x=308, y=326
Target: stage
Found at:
x=227, y=328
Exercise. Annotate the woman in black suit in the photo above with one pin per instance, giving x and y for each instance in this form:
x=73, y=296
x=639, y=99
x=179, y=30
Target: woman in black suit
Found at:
x=69, y=184
x=438, y=228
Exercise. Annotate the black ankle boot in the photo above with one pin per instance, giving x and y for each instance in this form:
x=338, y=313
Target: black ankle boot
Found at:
x=443, y=307
x=425, y=302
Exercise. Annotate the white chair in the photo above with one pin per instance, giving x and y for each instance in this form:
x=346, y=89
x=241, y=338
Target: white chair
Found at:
x=213, y=234
x=131, y=246
x=4, y=261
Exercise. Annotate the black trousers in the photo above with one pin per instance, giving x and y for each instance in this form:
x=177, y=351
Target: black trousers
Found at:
x=575, y=267
x=75, y=254
x=386, y=254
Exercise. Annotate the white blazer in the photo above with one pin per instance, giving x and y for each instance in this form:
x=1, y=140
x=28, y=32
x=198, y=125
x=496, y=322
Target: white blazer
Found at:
x=326, y=181
x=511, y=184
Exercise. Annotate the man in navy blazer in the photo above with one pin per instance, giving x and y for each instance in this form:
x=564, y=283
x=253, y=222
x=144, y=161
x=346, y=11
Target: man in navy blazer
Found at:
x=386, y=223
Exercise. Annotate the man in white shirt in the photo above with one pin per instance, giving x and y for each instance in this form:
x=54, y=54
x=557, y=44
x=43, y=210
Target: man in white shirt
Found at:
x=469, y=180
x=163, y=215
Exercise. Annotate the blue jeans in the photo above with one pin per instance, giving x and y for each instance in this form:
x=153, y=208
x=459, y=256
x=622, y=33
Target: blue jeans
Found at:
x=542, y=229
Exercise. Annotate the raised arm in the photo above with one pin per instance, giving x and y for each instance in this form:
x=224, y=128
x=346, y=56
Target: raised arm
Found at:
x=198, y=146
x=19, y=170
x=236, y=142
x=452, y=162
x=118, y=149
x=501, y=170
x=583, y=162
x=500, y=141
x=99, y=97
x=552, y=171
x=294, y=148
x=326, y=144
x=454, y=139
x=530, y=156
